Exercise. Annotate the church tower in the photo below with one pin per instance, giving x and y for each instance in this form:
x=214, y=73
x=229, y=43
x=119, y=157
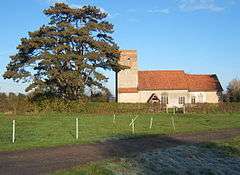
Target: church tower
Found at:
x=127, y=80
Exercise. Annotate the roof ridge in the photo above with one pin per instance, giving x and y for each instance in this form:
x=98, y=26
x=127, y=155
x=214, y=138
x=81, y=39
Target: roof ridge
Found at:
x=161, y=71
x=200, y=74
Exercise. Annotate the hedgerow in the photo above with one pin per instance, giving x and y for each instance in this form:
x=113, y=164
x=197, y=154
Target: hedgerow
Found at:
x=24, y=105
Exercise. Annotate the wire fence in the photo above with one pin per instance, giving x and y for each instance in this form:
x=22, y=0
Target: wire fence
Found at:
x=58, y=129
x=80, y=129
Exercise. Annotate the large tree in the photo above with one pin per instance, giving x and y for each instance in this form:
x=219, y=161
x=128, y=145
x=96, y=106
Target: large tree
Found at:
x=233, y=91
x=67, y=55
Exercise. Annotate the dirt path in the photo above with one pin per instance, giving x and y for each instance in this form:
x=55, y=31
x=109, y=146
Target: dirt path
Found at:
x=46, y=160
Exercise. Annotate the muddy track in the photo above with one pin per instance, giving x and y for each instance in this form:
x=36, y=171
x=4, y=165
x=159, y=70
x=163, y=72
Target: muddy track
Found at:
x=46, y=160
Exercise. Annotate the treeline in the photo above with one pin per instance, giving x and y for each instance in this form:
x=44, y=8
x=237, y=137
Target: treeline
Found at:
x=11, y=103
x=233, y=91
x=16, y=104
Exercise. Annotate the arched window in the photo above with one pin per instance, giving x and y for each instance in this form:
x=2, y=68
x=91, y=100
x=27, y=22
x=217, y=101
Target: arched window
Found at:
x=193, y=100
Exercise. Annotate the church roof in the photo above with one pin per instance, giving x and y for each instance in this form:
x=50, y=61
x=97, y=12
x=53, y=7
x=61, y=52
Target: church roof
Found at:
x=177, y=80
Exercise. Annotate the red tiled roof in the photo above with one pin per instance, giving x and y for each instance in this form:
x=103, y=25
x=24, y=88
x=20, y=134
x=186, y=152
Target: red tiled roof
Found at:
x=127, y=90
x=204, y=83
x=177, y=80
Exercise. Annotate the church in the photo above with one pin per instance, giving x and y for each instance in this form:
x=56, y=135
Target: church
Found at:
x=174, y=88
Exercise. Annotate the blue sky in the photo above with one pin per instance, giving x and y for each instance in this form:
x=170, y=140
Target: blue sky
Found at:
x=198, y=36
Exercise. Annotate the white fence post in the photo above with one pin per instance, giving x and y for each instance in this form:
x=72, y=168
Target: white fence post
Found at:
x=114, y=119
x=13, y=132
x=173, y=123
x=133, y=126
x=76, y=128
x=151, y=123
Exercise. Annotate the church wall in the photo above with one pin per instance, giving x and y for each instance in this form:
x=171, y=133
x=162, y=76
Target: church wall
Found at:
x=128, y=98
x=173, y=96
x=212, y=97
x=206, y=97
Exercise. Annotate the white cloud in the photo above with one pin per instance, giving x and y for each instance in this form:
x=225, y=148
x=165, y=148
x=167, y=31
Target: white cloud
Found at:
x=6, y=53
x=159, y=11
x=75, y=5
x=165, y=11
x=195, y=5
x=55, y=1
x=131, y=10
x=113, y=15
x=103, y=10
x=133, y=20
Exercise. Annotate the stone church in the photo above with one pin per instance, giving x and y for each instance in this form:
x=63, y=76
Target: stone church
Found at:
x=170, y=87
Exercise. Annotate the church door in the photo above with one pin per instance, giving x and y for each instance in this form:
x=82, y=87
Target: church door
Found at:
x=153, y=99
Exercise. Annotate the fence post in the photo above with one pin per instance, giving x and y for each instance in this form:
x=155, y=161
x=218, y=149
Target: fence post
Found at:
x=114, y=119
x=133, y=126
x=13, y=132
x=76, y=128
x=173, y=123
x=174, y=110
x=151, y=123
x=184, y=109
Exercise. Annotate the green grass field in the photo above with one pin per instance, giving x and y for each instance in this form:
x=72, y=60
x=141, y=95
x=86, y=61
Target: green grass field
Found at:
x=59, y=129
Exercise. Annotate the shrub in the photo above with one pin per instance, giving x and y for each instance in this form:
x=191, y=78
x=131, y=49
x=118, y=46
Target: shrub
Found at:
x=20, y=104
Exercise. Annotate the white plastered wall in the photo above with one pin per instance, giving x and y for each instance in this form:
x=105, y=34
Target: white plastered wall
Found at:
x=128, y=98
x=173, y=96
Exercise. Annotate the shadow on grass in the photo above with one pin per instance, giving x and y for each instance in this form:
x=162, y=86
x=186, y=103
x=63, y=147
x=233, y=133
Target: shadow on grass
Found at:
x=169, y=152
x=183, y=158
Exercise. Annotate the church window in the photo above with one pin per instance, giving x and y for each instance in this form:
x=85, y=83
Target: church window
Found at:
x=193, y=100
x=181, y=100
x=164, y=99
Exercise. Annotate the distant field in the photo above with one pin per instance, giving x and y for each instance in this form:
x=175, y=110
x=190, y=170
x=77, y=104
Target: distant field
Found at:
x=59, y=129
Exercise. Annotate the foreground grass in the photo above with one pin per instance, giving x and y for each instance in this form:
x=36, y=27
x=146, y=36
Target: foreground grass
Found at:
x=91, y=169
x=59, y=129
x=227, y=149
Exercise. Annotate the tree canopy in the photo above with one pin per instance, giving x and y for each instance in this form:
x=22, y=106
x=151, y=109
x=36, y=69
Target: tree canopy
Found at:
x=66, y=56
x=233, y=91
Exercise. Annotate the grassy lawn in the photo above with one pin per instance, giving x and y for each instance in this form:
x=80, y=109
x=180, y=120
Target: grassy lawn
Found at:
x=59, y=129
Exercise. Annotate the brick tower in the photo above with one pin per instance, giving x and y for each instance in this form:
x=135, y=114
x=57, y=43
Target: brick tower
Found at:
x=127, y=80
